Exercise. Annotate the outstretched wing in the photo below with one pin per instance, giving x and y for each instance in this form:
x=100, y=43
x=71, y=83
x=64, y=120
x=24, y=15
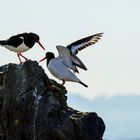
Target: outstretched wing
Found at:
x=84, y=43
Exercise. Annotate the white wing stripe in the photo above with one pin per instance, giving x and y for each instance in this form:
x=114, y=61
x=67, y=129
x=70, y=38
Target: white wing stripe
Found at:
x=81, y=46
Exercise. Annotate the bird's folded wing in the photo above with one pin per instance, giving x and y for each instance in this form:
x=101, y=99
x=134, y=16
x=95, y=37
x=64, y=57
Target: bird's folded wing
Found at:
x=63, y=51
x=64, y=55
x=13, y=41
x=84, y=43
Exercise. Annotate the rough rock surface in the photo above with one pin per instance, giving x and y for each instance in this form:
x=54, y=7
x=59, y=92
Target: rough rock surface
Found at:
x=33, y=107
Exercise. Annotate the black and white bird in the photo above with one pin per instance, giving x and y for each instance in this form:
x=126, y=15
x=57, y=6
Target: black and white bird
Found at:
x=59, y=70
x=67, y=59
x=21, y=42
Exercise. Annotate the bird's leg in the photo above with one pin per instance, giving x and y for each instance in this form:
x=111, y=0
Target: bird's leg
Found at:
x=23, y=57
x=19, y=58
x=63, y=82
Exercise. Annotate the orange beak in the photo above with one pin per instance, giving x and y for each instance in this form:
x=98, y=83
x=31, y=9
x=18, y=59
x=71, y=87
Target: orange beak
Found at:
x=42, y=59
x=41, y=45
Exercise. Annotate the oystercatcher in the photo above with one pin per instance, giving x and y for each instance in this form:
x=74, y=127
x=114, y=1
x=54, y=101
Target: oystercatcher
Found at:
x=20, y=43
x=69, y=52
x=59, y=70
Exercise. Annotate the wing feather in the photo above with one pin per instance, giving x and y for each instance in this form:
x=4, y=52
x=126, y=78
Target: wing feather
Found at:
x=65, y=56
x=81, y=44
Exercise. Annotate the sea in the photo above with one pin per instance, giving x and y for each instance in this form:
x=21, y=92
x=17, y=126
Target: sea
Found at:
x=121, y=114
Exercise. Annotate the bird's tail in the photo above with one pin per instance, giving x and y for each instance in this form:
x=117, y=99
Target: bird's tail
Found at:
x=75, y=69
x=83, y=84
x=2, y=42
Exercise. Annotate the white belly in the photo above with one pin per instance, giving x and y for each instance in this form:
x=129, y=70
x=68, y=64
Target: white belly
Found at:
x=60, y=71
x=19, y=49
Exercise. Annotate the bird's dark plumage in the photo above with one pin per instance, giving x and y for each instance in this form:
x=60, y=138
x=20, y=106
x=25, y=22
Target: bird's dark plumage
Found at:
x=29, y=40
x=84, y=43
x=49, y=56
x=79, y=45
x=12, y=41
x=21, y=42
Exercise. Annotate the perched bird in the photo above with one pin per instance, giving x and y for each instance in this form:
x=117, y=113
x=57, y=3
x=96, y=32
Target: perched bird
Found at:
x=59, y=70
x=20, y=43
x=67, y=60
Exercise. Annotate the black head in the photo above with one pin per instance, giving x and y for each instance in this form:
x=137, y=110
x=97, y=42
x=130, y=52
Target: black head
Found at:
x=34, y=37
x=49, y=56
x=30, y=39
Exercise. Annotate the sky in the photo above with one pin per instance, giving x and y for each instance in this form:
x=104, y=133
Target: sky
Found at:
x=113, y=63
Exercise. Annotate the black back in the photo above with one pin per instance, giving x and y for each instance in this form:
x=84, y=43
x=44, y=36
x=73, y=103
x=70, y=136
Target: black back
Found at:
x=29, y=40
x=14, y=41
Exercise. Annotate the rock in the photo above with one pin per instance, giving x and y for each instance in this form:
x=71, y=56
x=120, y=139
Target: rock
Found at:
x=33, y=107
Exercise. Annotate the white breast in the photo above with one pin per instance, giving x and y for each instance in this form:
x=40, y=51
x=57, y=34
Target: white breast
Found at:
x=61, y=71
x=19, y=49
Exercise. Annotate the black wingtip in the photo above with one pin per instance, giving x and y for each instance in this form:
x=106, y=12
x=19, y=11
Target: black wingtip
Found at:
x=100, y=34
x=83, y=84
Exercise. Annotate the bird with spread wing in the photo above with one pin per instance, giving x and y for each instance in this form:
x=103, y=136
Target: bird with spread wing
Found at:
x=67, y=60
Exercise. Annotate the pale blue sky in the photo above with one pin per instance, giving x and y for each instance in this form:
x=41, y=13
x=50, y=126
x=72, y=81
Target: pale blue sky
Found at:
x=113, y=63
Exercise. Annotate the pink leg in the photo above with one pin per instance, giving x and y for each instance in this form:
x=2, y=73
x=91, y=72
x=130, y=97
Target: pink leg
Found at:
x=19, y=58
x=63, y=82
x=23, y=56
